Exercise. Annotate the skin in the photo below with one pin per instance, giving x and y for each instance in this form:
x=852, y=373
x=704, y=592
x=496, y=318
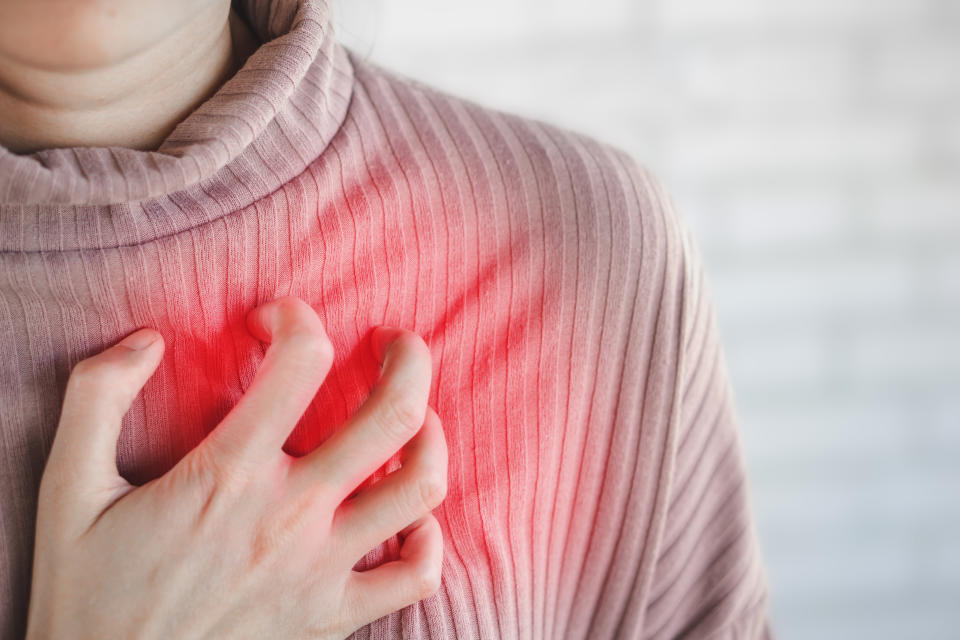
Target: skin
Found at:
x=111, y=72
x=239, y=539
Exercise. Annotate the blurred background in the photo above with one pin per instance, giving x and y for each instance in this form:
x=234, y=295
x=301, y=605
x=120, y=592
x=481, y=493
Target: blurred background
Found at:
x=813, y=147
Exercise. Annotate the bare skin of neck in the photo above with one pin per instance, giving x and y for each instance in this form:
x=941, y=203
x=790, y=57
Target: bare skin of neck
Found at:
x=131, y=96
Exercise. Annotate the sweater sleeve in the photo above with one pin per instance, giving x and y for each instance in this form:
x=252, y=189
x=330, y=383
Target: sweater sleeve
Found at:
x=707, y=578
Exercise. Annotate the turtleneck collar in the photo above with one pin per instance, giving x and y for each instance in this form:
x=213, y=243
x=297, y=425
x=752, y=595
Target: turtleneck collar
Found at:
x=259, y=130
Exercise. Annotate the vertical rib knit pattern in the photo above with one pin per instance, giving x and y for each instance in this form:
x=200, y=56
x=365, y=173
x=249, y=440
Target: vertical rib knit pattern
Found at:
x=596, y=484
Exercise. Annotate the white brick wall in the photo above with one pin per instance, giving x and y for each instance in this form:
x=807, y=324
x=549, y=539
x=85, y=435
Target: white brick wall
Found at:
x=814, y=147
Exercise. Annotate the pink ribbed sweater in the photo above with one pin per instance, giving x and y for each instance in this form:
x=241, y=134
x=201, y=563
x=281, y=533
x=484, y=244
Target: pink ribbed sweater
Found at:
x=596, y=485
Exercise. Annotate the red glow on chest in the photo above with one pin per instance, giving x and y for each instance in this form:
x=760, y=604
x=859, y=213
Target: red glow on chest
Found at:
x=202, y=377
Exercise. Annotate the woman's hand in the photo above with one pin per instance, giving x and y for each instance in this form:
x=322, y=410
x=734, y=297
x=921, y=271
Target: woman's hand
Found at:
x=239, y=539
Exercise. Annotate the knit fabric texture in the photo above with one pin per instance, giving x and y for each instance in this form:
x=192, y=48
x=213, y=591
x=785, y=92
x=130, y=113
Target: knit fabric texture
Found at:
x=596, y=482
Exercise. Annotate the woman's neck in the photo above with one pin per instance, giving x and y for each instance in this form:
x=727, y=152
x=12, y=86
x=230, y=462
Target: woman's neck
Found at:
x=134, y=101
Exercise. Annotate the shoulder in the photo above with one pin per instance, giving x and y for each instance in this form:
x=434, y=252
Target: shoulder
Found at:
x=571, y=174
x=597, y=216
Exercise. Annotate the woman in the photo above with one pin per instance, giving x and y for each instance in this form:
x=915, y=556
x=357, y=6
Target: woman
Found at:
x=176, y=165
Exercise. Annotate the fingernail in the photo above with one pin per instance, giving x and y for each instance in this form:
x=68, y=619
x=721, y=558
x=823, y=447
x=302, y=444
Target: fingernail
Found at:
x=140, y=340
x=259, y=320
x=381, y=338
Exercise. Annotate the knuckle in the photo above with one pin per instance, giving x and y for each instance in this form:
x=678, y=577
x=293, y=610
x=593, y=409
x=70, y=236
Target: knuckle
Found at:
x=90, y=372
x=427, y=580
x=310, y=344
x=206, y=503
x=219, y=463
x=230, y=479
x=401, y=417
x=407, y=501
x=418, y=496
x=433, y=489
x=107, y=369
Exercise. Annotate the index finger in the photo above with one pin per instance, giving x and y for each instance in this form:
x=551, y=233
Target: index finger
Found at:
x=298, y=359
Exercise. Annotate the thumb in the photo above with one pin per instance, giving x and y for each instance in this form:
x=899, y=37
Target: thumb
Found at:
x=99, y=393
